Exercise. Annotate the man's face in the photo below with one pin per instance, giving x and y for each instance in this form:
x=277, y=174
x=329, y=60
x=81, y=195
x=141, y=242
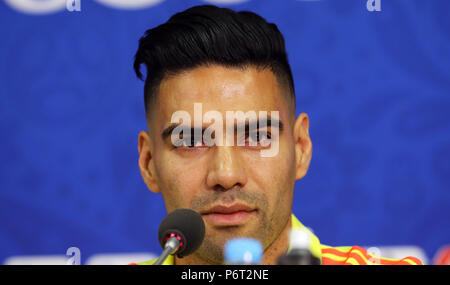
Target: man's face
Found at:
x=238, y=192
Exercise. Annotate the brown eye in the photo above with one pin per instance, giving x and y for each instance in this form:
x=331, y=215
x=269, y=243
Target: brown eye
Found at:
x=258, y=137
x=191, y=142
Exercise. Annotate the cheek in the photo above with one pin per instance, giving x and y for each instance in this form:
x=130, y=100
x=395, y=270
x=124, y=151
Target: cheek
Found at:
x=179, y=182
x=280, y=167
x=275, y=176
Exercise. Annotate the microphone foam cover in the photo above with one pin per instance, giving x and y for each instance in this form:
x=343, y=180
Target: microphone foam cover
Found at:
x=186, y=223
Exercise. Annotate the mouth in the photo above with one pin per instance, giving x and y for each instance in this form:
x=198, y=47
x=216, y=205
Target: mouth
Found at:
x=231, y=215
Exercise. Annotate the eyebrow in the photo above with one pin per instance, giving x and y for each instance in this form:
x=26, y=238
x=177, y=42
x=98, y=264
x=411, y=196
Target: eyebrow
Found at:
x=169, y=129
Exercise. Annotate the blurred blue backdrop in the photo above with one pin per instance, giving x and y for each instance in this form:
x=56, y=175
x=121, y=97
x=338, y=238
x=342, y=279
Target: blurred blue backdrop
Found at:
x=375, y=84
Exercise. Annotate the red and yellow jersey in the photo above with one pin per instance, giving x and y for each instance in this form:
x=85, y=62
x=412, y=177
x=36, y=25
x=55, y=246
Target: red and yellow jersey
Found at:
x=349, y=255
x=356, y=255
x=343, y=255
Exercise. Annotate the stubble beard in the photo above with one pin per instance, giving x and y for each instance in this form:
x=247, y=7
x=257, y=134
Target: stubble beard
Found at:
x=259, y=227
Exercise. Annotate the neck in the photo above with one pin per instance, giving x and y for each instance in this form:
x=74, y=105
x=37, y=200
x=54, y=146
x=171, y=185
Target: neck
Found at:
x=271, y=254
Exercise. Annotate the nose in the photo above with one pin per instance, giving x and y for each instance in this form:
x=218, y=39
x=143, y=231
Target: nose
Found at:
x=226, y=170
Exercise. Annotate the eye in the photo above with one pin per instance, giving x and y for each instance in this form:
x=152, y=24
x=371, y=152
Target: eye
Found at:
x=191, y=142
x=259, y=138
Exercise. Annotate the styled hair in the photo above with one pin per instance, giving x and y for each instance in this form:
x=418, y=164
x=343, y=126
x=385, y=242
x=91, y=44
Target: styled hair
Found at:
x=205, y=35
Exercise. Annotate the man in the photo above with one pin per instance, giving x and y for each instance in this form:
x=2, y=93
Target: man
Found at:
x=216, y=61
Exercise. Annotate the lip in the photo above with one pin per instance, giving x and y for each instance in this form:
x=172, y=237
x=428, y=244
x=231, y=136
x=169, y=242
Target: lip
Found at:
x=232, y=215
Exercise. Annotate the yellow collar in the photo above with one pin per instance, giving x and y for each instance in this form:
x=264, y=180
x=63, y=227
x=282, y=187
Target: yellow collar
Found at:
x=315, y=243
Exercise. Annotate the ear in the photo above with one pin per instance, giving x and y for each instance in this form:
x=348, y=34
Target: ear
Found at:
x=303, y=145
x=146, y=161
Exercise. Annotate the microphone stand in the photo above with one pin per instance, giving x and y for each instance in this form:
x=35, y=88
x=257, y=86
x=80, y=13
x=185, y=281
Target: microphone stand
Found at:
x=170, y=247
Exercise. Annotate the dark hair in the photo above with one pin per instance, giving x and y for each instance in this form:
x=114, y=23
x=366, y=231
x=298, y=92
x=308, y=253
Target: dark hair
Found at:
x=207, y=34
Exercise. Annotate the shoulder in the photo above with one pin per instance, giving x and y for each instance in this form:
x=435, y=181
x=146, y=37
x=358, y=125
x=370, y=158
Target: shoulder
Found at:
x=356, y=255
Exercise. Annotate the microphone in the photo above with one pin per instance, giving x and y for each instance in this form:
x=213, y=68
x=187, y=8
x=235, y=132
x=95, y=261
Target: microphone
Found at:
x=181, y=232
x=300, y=254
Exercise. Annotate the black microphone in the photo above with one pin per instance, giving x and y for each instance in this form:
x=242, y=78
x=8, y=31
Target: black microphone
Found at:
x=181, y=232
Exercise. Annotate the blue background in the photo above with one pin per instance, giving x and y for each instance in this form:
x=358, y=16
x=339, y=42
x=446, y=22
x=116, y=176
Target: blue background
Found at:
x=375, y=84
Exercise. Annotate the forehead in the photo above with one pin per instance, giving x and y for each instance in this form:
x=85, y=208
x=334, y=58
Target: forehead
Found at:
x=221, y=89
